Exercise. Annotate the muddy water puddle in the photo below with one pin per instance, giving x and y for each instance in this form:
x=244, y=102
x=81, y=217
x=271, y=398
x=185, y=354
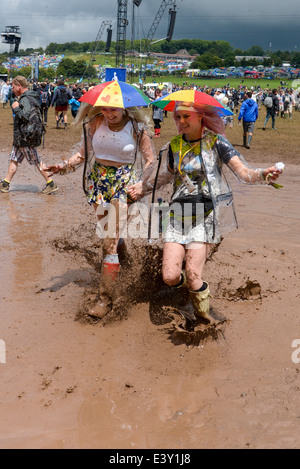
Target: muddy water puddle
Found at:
x=21, y=232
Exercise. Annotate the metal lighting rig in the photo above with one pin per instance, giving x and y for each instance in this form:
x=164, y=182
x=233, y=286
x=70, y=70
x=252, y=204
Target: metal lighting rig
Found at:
x=12, y=36
x=104, y=24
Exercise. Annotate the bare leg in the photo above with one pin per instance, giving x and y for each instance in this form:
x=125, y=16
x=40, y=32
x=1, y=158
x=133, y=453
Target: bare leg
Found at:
x=65, y=114
x=110, y=233
x=12, y=169
x=173, y=255
x=45, y=174
x=196, y=256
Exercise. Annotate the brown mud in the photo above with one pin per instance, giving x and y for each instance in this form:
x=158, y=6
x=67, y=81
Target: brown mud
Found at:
x=133, y=380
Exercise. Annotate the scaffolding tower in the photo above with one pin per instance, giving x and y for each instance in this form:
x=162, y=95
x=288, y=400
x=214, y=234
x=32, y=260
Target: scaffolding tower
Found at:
x=103, y=25
x=121, y=32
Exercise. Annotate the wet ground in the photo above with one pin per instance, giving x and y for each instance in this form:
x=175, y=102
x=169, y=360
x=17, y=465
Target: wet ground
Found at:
x=132, y=383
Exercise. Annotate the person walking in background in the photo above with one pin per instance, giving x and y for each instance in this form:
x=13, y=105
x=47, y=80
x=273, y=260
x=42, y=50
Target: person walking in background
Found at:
x=281, y=103
x=4, y=94
x=22, y=109
x=272, y=106
x=45, y=102
x=74, y=106
x=249, y=115
x=288, y=104
x=60, y=99
x=157, y=114
x=164, y=92
x=76, y=92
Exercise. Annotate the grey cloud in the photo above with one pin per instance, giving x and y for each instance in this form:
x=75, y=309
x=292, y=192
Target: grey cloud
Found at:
x=240, y=22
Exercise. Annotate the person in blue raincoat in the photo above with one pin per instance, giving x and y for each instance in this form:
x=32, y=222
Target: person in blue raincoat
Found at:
x=74, y=106
x=249, y=115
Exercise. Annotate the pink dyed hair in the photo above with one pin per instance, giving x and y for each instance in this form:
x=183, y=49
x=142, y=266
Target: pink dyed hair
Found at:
x=210, y=117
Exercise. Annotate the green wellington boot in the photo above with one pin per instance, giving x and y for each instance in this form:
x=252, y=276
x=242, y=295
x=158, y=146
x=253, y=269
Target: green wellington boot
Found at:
x=201, y=302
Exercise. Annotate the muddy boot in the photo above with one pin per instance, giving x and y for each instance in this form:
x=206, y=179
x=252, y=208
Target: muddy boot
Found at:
x=249, y=142
x=244, y=141
x=200, y=301
x=109, y=276
x=189, y=316
x=101, y=308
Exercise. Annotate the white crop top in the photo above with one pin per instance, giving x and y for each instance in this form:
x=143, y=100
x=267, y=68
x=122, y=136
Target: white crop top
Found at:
x=114, y=146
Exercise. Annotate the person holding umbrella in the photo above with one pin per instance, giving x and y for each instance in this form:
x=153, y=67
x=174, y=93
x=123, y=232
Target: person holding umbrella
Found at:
x=116, y=149
x=201, y=207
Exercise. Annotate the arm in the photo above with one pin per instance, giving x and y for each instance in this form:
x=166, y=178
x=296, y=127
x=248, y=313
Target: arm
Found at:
x=78, y=158
x=234, y=160
x=151, y=175
x=54, y=97
x=242, y=110
x=253, y=176
x=146, y=149
x=22, y=108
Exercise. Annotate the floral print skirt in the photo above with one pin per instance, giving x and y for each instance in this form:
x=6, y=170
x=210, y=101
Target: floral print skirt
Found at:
x=107, y=183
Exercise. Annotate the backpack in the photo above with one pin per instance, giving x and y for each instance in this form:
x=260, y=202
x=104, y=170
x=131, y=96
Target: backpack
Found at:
x=62, y=98
x=268, y=102
x=44, y=97
x=32, y=130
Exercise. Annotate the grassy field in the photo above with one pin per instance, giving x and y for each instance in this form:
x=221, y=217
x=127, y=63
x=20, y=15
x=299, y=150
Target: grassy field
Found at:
x=109, y=60
x=215, y=83
x=211, y=83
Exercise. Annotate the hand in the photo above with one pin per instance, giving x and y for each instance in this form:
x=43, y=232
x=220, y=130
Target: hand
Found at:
x=272, y=173
x=56, y=169
x=136, y=191
x=15, y=104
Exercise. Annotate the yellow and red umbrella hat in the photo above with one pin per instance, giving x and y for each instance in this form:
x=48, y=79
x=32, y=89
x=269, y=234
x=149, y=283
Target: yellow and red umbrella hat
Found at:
x=200, y=99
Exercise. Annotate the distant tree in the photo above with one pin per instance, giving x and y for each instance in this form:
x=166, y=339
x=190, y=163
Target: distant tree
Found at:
x=229, y=60
x=296, y=59
x=267, y=62
x=255, y=50
x=238, y=52
x=24, y=71
x=66, y=67
x=207, y=61
x=46, y=73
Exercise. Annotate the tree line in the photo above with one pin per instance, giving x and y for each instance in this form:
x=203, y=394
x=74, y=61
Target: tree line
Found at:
x=209, y=54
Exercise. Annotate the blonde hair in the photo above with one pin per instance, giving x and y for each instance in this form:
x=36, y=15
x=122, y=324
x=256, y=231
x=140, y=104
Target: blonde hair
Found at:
x=21, y=81
x=88, y=112
x=210, y=117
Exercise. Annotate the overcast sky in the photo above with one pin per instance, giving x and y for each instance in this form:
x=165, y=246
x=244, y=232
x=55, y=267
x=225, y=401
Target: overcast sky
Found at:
x=271, y=24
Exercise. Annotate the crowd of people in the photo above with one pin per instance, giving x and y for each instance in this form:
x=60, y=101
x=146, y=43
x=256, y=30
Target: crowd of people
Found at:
x=122, y=167
x=58, y=94
x=244, y=101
